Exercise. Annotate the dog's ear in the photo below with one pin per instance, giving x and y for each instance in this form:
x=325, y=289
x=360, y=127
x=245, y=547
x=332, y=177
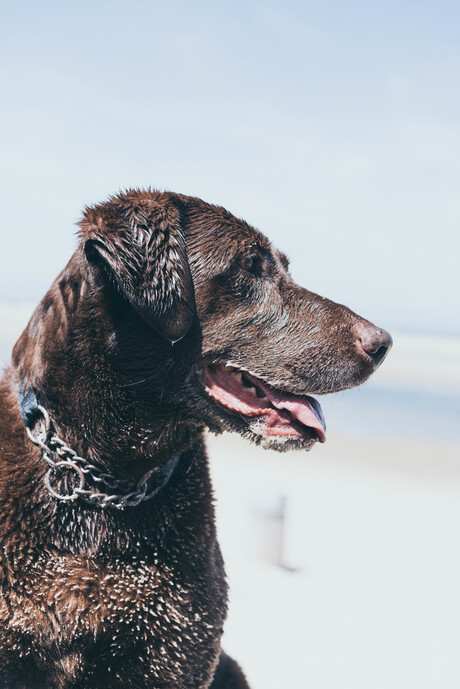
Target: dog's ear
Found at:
x=139, y=240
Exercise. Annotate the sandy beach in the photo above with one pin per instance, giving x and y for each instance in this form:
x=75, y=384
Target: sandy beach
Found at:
x=369, y=594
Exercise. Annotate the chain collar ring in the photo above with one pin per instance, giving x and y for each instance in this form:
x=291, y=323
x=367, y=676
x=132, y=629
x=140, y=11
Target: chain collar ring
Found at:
x=129, y=494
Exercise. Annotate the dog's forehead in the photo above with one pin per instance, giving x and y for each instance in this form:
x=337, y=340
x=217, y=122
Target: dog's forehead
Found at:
x=213, y=228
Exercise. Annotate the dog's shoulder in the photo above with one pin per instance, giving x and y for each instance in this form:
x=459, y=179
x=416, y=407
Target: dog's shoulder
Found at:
x=14, y=454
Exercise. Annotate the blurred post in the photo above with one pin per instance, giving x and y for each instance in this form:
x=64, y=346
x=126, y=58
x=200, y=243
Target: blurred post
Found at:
x=267, y=527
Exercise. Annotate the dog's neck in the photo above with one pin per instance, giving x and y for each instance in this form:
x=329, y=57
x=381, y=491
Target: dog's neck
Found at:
x=72, y=354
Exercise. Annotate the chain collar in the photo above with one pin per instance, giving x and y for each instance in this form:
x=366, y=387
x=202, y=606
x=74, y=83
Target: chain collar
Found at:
x=62, y=458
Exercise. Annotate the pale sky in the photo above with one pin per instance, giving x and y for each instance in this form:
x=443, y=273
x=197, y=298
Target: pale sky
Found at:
x=334, y=127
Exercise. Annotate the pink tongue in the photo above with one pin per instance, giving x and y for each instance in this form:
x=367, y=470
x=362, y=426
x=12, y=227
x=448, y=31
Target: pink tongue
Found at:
x=306, y=410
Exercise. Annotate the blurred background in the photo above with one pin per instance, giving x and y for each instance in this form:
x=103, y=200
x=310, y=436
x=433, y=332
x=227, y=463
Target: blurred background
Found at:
x=334, y=128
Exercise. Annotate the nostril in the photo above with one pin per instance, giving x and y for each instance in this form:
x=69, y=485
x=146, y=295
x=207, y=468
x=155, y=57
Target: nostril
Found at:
x=376, y=343
x=379, y=355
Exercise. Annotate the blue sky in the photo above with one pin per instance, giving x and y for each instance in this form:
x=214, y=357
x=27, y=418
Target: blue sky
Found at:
x=334, y=127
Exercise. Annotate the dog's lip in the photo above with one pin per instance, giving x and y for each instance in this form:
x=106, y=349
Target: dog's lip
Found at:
x=285, y=414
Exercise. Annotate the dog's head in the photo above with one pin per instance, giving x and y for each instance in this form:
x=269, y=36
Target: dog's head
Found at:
x=214, y=327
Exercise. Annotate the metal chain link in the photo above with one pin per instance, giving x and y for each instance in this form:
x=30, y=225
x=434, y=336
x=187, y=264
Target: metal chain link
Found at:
x=125, y=493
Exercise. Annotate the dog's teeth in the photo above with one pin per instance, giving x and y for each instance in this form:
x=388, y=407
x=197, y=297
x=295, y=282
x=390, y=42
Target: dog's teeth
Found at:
x=238, y=376
x=253, y=391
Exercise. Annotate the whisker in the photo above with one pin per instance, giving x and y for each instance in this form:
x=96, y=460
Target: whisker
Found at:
x=138, y=382
x=163, y=390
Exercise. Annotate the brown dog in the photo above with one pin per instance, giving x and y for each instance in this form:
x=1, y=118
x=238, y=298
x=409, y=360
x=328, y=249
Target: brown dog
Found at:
x=171, y=316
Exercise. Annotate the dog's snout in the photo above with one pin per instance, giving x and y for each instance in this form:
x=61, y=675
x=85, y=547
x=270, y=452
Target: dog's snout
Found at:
x=375, y=342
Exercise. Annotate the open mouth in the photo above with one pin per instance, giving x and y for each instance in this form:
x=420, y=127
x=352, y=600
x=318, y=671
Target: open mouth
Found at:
x=278, y=413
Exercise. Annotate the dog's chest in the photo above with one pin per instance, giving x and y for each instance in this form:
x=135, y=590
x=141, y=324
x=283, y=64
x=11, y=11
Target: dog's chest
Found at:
x=136, y=613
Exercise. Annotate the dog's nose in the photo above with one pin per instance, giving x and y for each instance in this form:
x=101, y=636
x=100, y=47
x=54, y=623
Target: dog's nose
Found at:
x=376, y=342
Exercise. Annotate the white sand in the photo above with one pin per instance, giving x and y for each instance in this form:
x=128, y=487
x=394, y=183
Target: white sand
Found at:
x=375, y=603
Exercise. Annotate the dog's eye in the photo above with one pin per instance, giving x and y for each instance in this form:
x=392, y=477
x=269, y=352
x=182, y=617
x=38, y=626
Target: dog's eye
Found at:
x=247, y=262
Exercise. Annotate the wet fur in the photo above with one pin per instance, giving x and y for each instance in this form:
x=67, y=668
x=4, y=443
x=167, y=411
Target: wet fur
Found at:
x=155, y=290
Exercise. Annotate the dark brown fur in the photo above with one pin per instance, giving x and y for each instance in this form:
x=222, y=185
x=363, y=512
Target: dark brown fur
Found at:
x=156, y=289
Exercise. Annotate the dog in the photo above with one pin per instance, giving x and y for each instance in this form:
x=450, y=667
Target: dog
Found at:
x=172, y=316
